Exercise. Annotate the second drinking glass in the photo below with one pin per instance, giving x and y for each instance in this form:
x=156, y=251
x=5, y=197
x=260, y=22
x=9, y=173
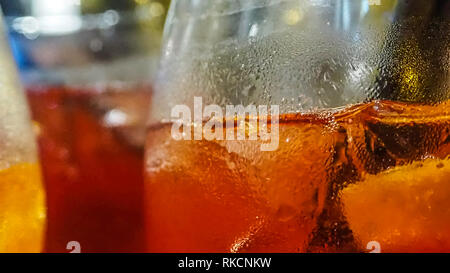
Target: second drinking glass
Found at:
x=88, y=67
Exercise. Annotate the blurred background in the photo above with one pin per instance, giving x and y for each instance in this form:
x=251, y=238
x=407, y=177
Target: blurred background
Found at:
x=88, y=68
x=85, y=41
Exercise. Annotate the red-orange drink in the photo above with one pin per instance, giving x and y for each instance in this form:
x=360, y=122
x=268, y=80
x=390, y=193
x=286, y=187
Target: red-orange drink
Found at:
x=338, y=181
x=91, y=147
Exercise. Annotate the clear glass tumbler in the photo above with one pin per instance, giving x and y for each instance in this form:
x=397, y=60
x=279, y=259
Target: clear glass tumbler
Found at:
x=23, y=210
x=301, y=126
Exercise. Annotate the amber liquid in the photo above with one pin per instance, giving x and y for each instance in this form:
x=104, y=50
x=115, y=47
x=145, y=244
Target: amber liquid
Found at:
x=92, y=167
x=373, y=172
x=22, y=213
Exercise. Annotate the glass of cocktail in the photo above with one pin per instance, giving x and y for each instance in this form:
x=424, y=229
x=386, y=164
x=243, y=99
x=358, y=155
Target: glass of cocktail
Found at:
x=87, y=67
x=301, y=126
x=23, y=209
